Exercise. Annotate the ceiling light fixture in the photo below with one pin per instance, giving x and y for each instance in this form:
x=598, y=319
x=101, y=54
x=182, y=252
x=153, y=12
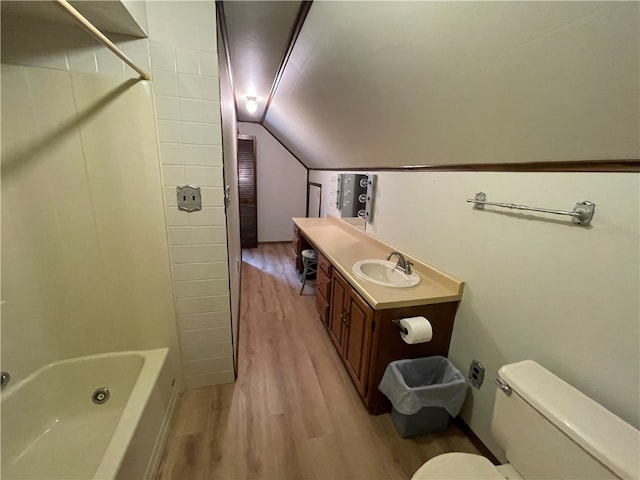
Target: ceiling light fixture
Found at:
x=251, y=104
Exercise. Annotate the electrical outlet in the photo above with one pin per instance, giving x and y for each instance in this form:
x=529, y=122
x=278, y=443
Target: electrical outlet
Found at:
x=476, y=373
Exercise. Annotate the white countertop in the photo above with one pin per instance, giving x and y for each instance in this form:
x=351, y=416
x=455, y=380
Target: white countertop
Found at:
x=344, y=245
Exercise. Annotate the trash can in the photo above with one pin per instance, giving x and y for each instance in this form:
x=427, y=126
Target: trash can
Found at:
x=423, y=392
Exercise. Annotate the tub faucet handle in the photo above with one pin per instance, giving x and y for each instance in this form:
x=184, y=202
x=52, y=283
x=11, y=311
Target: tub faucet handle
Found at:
x=4, y=378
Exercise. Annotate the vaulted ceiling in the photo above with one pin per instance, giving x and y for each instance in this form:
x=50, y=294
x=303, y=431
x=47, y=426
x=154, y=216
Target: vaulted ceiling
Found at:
x=395, y=84
x=259, y=35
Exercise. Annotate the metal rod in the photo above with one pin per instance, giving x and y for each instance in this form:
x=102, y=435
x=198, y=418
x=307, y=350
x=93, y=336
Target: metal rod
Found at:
x=515, y=206
x=400, y=327
x=582, y=213
x=98, y=35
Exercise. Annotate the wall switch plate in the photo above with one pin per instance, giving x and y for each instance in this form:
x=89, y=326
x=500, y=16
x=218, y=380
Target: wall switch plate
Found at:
x=476, y=373
x=189, y=198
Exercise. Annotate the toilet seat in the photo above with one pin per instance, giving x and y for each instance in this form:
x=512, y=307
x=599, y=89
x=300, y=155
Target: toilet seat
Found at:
x=458, y=466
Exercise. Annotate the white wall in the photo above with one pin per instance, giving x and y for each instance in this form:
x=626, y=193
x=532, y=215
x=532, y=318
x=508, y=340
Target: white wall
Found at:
x=536, y=286
x=184, y=63
x=281, y=183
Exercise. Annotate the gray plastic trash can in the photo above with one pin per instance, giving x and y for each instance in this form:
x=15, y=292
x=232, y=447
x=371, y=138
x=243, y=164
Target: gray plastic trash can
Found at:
x=423, y=392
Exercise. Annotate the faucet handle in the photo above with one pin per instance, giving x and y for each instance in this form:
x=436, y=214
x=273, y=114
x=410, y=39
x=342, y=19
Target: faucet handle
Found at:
x=407, y=268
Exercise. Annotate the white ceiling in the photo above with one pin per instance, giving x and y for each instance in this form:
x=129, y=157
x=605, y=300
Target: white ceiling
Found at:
x=258, y=36
x=393, y=84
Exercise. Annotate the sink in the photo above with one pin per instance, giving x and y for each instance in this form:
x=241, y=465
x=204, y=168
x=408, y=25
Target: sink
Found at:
x=383, y=272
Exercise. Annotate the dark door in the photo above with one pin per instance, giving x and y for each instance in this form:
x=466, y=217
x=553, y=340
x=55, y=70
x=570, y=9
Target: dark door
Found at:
x=247, y=191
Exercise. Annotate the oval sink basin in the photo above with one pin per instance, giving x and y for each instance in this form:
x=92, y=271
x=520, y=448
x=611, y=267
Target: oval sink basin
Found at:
x=383, y=272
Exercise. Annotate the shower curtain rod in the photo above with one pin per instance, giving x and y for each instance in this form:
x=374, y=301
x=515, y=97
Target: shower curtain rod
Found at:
x=98, y=35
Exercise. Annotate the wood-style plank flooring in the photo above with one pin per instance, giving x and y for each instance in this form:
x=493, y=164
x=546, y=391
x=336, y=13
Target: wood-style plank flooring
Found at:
x=293, y=412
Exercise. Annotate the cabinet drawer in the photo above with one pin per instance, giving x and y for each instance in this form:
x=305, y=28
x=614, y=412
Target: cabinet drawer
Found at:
x=323, y=309
x=324, y=265
x=323, y=287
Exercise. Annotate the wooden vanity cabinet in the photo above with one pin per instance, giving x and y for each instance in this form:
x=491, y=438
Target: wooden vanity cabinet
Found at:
x=368, y=340
x=387, y=344
x=350, y=330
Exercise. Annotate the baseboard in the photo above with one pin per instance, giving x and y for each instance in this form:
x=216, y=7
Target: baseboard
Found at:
x=163, y=435
x=475, y=440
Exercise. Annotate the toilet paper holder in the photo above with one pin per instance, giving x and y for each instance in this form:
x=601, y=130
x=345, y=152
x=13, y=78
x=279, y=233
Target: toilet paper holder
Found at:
x=400, y=327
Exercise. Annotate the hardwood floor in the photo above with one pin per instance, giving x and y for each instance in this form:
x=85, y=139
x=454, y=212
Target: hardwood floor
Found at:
x=293, y=412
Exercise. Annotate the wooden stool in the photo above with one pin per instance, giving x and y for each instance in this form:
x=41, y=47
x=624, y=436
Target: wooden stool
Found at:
x=310, y=263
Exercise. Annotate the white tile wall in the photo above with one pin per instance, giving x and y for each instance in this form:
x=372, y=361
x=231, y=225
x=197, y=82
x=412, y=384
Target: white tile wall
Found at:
x=196, y=235
x=89, y=273
x=200, y=288
x=196, y=352
x=200, y=271
x=184, y=68
x=180, y=54
x=199, y=321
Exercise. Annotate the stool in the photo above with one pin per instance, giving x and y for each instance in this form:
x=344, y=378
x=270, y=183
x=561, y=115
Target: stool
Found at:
x=310, y=262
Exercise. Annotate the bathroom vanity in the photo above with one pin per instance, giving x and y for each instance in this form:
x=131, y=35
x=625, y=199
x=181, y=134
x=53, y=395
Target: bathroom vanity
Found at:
x=359, y=314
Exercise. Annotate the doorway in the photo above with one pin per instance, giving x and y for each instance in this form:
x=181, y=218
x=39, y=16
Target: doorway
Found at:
x=314, y=200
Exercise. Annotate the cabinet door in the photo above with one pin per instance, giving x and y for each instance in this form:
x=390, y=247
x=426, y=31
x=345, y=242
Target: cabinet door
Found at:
x=339, y=289
x=357, y=342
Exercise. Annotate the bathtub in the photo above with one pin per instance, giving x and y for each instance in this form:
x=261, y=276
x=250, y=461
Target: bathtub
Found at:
x=51, y=428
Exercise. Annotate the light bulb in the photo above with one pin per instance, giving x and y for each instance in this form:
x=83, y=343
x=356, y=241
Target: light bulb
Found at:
x=251, y=104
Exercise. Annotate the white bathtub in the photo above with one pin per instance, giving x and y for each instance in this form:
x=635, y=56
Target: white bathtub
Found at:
x=51, y=429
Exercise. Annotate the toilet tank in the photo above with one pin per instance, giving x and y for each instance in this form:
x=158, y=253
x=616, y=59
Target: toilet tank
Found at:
x=550, y=430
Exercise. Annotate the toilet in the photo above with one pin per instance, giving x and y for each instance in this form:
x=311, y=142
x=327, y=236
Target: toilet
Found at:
x=547, y=430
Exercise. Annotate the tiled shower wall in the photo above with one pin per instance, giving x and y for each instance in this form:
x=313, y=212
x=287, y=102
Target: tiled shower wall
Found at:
x=181, y=54
x=184, y=68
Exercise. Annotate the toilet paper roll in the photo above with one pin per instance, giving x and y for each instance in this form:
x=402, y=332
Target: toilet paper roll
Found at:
x=418, y=330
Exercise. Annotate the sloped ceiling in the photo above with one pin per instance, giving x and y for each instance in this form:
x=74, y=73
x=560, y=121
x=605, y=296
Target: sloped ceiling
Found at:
x=258, y=36
x=395, y=84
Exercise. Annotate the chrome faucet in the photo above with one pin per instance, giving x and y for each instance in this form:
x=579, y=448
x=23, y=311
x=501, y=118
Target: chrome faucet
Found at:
x=403, y=264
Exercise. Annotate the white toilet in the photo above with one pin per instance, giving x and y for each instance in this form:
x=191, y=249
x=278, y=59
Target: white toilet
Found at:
x=547, y=430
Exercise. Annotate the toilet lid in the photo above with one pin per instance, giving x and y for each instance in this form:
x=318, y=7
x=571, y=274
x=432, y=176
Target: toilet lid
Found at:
x=462, y=466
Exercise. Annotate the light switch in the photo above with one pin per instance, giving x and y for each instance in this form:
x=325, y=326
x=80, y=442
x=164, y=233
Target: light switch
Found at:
x=189, y=198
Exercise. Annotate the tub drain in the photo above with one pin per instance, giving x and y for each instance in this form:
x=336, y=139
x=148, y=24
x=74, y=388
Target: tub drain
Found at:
x=100, y=396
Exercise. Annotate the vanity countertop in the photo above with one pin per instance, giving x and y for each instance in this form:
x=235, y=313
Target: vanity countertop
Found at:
x=344, y=245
